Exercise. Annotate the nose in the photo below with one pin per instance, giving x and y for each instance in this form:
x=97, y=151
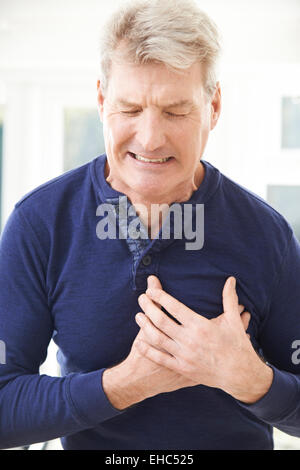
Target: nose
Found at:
x=151, y=133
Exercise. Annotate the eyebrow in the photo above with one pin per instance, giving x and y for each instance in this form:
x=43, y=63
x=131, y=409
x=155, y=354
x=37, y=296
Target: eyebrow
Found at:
x=174, y=104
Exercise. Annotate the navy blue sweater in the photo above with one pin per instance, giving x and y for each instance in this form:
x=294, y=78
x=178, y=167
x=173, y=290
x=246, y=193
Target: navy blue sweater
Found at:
x=59, y=280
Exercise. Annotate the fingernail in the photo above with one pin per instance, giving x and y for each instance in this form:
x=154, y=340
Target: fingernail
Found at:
x=150, y=292
x=233, y=282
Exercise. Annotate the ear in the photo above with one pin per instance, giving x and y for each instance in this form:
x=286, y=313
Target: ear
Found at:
x=100, y=99
x=215, y=106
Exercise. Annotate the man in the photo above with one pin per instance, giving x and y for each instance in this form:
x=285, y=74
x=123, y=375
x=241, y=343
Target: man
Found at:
x=154, y=344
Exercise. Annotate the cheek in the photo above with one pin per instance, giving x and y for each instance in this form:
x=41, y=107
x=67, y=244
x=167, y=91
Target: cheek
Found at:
x=116, y=131
x=191, y=135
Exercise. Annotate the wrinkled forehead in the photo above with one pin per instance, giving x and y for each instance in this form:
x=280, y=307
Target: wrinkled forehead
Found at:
x=154, y=80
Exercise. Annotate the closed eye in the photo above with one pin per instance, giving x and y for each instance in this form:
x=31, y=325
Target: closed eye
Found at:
x=131, y=113
x=173, y=115
x=137, y=111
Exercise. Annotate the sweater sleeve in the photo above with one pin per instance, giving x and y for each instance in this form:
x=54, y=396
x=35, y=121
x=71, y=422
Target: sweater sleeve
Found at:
x=280, y=345
x=35, y=407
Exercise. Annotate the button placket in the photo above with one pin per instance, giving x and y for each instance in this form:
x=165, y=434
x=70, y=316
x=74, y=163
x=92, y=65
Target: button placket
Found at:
x=147, y=260
x=143, y=271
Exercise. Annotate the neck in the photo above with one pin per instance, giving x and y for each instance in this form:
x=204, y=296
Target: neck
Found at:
x=146, y=206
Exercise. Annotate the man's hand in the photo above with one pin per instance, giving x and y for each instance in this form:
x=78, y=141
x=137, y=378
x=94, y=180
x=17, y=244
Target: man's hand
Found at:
x=217, y=353
x=137, y=377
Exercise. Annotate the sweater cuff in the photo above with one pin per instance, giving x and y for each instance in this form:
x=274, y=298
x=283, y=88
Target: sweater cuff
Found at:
x=88, y=400
x=281, y=399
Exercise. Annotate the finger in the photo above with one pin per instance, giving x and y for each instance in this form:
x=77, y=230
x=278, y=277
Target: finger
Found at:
x=159, y=318
x=177, y=309
x=159, y=357
x=241, y=308
x=230, y=298
x=245, y=317
x=154, y=336
x=154, y=282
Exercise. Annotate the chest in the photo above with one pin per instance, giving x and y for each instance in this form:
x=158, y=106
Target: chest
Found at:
x=94, y=301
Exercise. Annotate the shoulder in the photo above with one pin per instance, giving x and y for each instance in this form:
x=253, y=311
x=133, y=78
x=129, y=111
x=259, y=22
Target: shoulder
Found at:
x=65, y=186
x=253, y=210
x=58, y=207
x=246, y=219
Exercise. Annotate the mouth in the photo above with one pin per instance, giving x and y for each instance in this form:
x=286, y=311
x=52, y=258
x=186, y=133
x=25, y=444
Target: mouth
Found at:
x=150, y=161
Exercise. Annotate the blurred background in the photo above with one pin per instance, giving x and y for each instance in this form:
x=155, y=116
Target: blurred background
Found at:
x=49, y=122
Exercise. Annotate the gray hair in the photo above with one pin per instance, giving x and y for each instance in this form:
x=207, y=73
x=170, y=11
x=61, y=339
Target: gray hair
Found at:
x=173, y=32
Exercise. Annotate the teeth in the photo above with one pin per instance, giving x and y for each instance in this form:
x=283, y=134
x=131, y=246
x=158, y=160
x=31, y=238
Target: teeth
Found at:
x=148, y=160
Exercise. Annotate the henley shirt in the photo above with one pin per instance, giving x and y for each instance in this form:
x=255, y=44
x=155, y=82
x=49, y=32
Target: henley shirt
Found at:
x=59, y=280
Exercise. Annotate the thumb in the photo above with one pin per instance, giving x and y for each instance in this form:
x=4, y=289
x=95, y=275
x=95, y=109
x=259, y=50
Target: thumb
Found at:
x=230, y=298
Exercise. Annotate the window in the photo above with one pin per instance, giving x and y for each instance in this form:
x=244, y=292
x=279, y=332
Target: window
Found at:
x=290, y=122
x=286, y=200
x=83, y=136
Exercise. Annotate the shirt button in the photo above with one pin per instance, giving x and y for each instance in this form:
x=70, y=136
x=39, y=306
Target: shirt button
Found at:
x=146, y=260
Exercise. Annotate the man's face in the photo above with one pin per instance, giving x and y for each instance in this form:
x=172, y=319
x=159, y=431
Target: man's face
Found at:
x=149, y=112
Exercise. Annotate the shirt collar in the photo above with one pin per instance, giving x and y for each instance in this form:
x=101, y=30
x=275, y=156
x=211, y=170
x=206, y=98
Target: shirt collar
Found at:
x=106, y=193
